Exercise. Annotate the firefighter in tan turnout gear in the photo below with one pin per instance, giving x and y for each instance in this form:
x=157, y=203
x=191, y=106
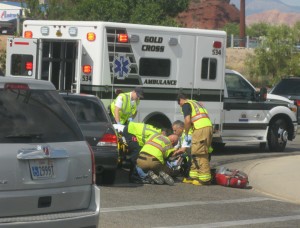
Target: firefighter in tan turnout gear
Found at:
x=196, y=117
x=136, y=135
x=153, y=156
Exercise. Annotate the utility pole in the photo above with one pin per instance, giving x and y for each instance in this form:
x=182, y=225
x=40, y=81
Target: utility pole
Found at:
x=242, y=23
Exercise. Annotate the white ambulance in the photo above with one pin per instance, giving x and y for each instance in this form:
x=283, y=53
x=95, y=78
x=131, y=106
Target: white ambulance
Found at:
x=102, y=58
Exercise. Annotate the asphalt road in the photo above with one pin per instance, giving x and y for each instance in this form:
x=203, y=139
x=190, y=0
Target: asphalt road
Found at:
x=182, y=205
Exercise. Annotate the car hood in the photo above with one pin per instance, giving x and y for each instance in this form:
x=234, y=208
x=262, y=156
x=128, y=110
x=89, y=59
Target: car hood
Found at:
x=279, y=98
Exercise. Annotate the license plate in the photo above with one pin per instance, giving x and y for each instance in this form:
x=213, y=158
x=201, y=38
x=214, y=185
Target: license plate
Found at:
x=42, y=169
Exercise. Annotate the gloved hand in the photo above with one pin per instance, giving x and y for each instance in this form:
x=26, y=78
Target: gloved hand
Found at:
x=188, y=139
x=119, y=127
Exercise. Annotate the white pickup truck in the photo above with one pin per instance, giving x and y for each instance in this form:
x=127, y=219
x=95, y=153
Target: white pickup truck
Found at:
x=251, y=116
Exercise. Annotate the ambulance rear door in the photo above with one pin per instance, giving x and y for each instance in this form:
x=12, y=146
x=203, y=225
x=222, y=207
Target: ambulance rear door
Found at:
x=21, y=57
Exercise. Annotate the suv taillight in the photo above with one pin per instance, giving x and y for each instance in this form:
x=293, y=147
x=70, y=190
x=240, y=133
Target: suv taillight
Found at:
x=93, y=165
x=297, y=102
x=108, y=140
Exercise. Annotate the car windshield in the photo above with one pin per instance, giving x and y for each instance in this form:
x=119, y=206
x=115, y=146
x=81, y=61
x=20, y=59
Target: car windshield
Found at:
x=86, y=110
x=287, y=87
x=35, y=116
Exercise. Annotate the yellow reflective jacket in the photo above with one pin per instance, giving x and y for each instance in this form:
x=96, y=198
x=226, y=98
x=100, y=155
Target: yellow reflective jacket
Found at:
x=127, y=110
x=199, y=115
x=159, y=146
x=142, y=131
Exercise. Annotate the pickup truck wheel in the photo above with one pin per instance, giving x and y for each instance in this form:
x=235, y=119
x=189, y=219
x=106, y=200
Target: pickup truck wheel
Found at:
x=277, y=136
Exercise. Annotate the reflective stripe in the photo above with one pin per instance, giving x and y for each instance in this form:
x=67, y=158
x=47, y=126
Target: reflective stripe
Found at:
x=193, y=174
x=144, y=132
x=204, y=177
x=199, y=116
x=153, y=136
x=156, y=145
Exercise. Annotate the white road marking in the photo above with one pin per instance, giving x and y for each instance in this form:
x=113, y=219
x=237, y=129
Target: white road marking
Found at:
x=239, y=222
x=181, y=204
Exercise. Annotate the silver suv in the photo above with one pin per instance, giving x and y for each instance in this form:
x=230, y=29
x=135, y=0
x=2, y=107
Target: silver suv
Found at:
x=47, y=174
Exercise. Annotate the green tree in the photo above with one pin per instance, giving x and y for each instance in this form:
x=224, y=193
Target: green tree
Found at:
x=54, y=10
x=258, y=29
x=34, y=9
x=275, y=55
x=151, y=13
x=155, y=12
x=232, y=29
x=100, y=10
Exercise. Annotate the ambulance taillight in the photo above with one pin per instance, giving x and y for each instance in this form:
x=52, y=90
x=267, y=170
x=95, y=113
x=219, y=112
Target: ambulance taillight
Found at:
x=28, y=34
x=86, y=69
x=217, y=44
x=122, y=38
x=28, y=66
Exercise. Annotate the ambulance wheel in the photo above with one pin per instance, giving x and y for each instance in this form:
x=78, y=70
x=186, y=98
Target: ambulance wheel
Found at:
x=277, y=136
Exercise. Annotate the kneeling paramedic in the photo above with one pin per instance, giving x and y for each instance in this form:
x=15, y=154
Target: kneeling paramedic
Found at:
x=196, y=117
x=136, y=135
x=153, y=155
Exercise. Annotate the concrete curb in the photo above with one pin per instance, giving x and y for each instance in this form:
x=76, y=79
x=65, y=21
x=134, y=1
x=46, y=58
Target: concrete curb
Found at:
x=277, y=177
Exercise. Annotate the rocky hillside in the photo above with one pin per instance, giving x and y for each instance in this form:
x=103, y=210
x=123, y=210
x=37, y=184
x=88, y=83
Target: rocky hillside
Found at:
x=214, y=14
x=209, y=14
x=259, y=6
x=273, y=17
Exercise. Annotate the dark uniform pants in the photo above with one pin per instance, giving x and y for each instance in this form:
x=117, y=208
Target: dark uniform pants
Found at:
x=133, y=145
x=133, y=148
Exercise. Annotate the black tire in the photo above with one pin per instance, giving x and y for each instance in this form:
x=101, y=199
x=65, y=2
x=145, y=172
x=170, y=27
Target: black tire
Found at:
x=276, y=140
x=218, y=147
x=107, y=177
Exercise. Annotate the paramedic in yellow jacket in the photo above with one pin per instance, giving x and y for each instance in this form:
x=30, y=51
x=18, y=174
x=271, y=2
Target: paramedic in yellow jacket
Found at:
x=153, y=155
x=196, y=117
x=136, y=135
x=124, y=108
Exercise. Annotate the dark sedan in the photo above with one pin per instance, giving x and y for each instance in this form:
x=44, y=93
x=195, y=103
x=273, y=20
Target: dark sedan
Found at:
x=99, y=132
x=289, y=87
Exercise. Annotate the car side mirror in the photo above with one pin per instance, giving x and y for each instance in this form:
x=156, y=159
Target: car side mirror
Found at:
x=263, y=94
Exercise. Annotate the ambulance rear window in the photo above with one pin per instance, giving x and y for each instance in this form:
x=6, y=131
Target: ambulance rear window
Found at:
x=209, y=68
x=155, y=67
x=21, y=65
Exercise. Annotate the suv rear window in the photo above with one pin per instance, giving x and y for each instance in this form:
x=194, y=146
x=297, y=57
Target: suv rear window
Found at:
x=86, y=110
x=35, y=116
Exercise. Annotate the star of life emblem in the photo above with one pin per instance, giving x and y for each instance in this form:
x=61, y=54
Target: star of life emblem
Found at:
x=121, y=67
